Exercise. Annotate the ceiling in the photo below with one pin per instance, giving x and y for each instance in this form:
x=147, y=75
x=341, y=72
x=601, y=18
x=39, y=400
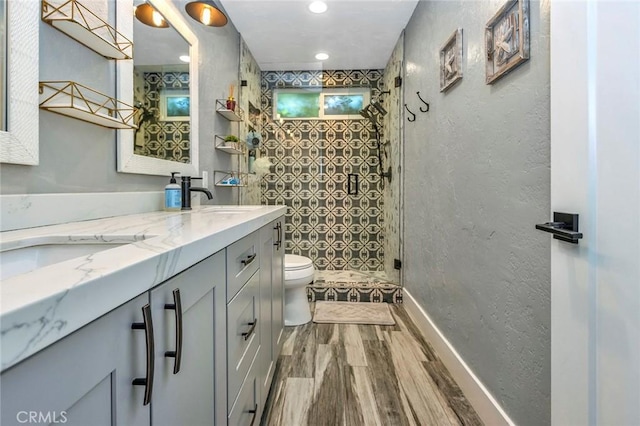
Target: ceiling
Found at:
x=285, y=35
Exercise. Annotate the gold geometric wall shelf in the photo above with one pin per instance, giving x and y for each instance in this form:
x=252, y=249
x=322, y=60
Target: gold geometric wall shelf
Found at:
x=81, y=102
x=84, y=26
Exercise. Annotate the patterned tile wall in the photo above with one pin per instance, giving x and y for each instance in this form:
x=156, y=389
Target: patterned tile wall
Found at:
x=311, y=161
x=393, y=123
x=168, y=140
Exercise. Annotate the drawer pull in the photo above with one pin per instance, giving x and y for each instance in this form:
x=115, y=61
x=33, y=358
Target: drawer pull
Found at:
x=248, y=260
x=255, y=413
x=147, y=326
x=177, y=307
x=249, y=332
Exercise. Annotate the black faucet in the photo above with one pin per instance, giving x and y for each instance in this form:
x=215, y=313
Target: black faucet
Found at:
x=187, y=189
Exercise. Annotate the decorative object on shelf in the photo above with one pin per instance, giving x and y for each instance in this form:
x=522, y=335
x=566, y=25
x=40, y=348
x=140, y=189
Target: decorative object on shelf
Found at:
x=231, y=103
x=81, y=102
x=235, y=114
x=229, y=178
x=231, y=138
x=451, y=61
x=507, y=39
x=84, y=26
x=148, y=15
x=207, y=13
x=228, y=145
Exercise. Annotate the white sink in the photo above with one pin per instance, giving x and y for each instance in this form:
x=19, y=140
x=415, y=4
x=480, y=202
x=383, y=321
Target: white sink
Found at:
x=26, y=257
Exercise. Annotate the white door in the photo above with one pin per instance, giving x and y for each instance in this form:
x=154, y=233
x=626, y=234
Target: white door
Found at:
x=595, y=163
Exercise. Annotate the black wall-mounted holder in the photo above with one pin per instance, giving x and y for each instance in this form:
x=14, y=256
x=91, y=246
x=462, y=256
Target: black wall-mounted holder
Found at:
x=564, y=227
x=424, y=102
x=413, y=116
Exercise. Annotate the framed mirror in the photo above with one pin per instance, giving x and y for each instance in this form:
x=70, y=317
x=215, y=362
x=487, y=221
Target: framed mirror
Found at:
x=164, y=89
x=19, y=87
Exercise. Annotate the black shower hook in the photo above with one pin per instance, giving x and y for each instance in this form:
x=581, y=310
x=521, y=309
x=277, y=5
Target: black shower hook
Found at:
x=409, y=111
x=420, y=97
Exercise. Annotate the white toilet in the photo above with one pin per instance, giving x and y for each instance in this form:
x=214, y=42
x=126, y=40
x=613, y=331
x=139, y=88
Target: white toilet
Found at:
x=298, y=272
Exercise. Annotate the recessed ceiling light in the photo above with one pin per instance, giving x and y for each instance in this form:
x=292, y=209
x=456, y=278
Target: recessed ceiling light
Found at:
x=322, y=56
x=318, y=7
x=185, y=58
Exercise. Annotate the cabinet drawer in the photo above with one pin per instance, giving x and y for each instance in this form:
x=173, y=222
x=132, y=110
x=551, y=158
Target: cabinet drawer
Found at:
x=242, y=334
x=243, y=259
x=247, y=410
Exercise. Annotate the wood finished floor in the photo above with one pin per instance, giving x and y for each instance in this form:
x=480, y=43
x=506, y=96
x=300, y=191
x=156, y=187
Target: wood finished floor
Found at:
x=346, y=374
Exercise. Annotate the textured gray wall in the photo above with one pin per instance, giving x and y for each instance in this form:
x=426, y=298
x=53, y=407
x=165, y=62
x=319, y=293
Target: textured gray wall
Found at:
x=476, y=182
x=81, y=157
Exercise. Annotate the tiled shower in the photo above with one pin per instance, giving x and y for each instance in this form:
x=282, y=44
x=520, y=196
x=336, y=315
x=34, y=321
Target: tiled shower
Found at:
x=351, y=238
x=312, y=160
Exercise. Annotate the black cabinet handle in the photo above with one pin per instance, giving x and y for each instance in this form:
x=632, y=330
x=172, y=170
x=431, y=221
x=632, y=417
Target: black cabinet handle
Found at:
x=248, y=260
x=147, y=326
x=352, y=184
x=278, y=242
x=176, y=306
x=255, y=413
x=248, y=333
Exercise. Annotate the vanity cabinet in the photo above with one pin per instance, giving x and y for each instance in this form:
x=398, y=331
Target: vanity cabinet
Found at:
x=189, y=324
x=255, y=320
x=271, y=301
x=198, y=349
x=87, y=377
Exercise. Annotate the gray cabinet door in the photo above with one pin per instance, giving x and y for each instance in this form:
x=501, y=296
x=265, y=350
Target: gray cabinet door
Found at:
x=85, y=378
x=266, y=364
x=277, y=290
x=186, y=393
x=271, y=301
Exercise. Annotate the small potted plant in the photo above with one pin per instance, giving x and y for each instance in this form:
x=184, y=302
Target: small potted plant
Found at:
x=230, y=140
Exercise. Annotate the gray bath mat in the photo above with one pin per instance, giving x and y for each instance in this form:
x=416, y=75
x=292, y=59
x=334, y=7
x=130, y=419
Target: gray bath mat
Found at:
x=353, y=313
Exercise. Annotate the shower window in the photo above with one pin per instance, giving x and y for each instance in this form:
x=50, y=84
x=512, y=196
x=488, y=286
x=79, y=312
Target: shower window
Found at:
x=310, y=104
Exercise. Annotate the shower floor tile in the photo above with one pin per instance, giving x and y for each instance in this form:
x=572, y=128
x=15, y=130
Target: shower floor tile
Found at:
x=353, y=286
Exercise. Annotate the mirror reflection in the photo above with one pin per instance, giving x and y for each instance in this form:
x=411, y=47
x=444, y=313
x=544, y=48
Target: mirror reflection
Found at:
x=161, y=93
x=3, y=65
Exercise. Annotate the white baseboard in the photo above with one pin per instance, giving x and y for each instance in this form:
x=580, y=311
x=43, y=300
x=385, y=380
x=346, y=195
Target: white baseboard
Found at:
x=482, y=401
x=30, y=210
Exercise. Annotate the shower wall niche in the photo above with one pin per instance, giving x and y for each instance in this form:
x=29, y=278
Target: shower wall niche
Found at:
x=312, y=161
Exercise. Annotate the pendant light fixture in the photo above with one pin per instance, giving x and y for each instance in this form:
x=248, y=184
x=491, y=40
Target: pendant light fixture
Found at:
x=207, y=13
x=146, y=14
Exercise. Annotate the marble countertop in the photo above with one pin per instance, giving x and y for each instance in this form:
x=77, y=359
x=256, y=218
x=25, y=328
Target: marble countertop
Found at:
x=40, y=307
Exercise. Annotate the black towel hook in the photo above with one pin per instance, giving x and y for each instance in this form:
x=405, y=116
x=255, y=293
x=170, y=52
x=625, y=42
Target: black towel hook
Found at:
x=409, y=111
x=420, y=97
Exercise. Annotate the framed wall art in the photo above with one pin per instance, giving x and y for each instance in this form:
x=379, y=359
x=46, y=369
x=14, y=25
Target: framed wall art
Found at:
x=451, y=61
x=507, y=39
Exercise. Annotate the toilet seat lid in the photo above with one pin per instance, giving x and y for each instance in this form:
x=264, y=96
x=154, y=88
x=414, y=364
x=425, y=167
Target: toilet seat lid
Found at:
x=293, y=262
